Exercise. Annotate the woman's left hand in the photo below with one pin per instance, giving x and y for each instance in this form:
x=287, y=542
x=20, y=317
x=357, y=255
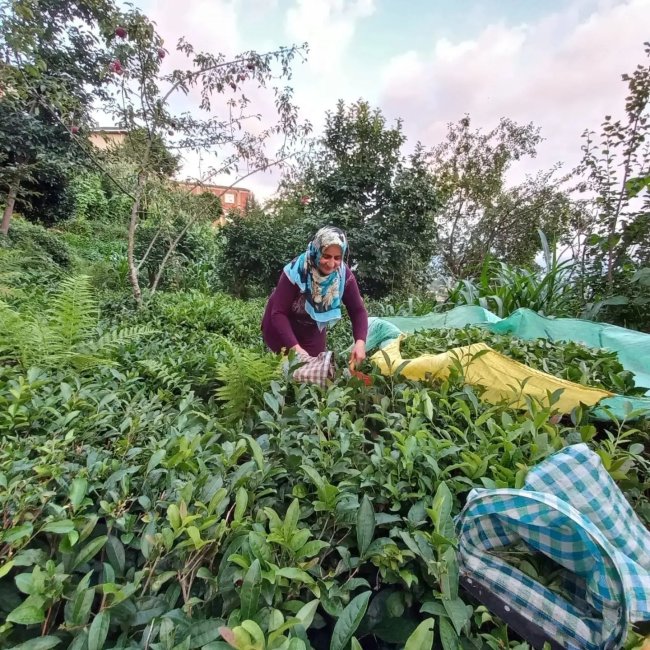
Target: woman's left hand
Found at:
x=358, y=353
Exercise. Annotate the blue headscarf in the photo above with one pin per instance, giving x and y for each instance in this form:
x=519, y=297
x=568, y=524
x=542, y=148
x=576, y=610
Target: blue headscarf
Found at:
x=323, y=293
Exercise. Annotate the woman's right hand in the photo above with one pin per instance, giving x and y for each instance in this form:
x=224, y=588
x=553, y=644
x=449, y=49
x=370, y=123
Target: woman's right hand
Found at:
x=300, y=351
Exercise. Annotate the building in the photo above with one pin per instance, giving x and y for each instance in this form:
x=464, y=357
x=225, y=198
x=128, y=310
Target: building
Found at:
x=107, y=136
x=232, y=198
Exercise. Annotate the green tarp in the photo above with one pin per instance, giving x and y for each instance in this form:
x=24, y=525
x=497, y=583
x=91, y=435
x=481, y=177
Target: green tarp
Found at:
x=632, y=348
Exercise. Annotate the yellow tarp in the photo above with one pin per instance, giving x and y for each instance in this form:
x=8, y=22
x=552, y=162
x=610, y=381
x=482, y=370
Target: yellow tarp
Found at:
x=503, y=379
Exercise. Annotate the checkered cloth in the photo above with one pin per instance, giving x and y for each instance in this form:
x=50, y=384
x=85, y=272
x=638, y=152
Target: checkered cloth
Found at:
x=571, y=511
x=315, y=370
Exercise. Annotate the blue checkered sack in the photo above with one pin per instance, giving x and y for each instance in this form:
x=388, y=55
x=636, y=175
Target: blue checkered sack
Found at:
x=571, y=511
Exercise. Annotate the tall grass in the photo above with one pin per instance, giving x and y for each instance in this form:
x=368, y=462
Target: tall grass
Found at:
x=503, y=289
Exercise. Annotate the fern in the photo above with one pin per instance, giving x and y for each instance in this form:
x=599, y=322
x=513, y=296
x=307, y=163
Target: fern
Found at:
x=11, y=272
x=244, y=378
x=111, y=341
x=64, y=334
x=73, y=313
x=13, y=337
x=163, y=373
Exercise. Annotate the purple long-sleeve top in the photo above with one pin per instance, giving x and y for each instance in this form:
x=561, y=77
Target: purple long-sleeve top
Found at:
x=286, y=323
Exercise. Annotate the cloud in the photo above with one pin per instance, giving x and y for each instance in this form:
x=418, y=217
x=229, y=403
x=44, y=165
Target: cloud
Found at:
x=211, y=25
x=563, y=73
x=329, y=27
x=215, y=26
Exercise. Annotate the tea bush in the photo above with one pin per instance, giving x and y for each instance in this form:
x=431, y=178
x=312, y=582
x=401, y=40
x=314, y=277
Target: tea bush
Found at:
x=182, y=493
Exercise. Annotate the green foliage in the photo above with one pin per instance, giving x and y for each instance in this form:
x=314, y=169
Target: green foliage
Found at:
x=36, y=241
x=257, y=245
x=160, y=160
x=615, y=236
x=11, y=271
x=64, y=334
x=142, y=508
x=629, y=304
x=357, y=178
x=503, y=289
x=195, y=258
x=484, y=217
x=244, y=378
x=36, y=153
x=417, y=304
x=88, y=197
x=53, y=66
x=223, y=528
x=45, y=195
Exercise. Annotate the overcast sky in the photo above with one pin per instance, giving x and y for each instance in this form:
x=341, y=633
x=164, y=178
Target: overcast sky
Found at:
x=557, y=63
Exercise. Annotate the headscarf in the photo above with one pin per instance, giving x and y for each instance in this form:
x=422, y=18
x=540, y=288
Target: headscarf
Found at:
x=323, y=293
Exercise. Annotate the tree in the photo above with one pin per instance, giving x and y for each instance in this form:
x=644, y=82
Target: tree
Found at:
x=216, y=81
x=512, y=221
x=161, y=161
x=53, y=66
x=36, y=158
x=357, y=178
x=615, y=247
x=258, y=243
x=481, y=215
x=614, y=173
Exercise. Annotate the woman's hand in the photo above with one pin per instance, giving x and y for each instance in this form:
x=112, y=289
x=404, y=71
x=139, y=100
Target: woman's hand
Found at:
x=358, y=353
x=301, y=353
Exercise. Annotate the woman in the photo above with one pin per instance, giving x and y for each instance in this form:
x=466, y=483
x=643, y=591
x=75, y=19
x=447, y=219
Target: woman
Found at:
x=308, y=298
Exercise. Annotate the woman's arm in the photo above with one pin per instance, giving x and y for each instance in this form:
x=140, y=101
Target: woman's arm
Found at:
x=283, y=297
x=356, y=309
x=359, y=316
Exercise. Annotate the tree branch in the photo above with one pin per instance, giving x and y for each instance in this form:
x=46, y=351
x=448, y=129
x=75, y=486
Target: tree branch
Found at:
x=174, y=244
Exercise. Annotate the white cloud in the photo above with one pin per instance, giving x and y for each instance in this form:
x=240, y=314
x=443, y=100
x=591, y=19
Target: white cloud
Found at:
x=563, y=73
x=211, y=25
x=215, y=26
x=328, y=26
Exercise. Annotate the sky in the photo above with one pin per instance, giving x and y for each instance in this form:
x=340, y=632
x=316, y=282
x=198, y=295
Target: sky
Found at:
x=556, y=63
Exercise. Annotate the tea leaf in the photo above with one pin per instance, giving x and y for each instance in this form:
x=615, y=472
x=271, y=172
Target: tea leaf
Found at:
x=365, y=525
x=89, y=551
x=422, y=637
x=61, y=527
x=26, y=614
x=78, y=489
x=39, y=643
x=250, y=590
x=349, y=621
x=448, y=636
x=241, y=503
x=99, y=630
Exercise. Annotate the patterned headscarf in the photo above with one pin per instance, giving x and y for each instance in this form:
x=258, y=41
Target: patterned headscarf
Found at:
x=323, y=293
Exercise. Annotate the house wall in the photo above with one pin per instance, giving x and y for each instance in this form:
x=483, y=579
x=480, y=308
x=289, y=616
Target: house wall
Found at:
x=106, y=139
x=234, y=198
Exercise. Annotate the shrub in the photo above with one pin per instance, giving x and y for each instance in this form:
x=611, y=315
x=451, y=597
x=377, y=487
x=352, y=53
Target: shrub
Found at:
x=256, y=248
x=41, y=243
x=89, y=200
x=180, y=490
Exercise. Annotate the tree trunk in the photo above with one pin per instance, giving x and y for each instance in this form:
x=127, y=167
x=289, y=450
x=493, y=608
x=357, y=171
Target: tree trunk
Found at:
x=168, y=254
x=133, y=223
x=9, y=208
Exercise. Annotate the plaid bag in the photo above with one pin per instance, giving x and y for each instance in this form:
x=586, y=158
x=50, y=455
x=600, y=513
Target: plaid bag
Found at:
x=571, y=511
x=315, y=370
